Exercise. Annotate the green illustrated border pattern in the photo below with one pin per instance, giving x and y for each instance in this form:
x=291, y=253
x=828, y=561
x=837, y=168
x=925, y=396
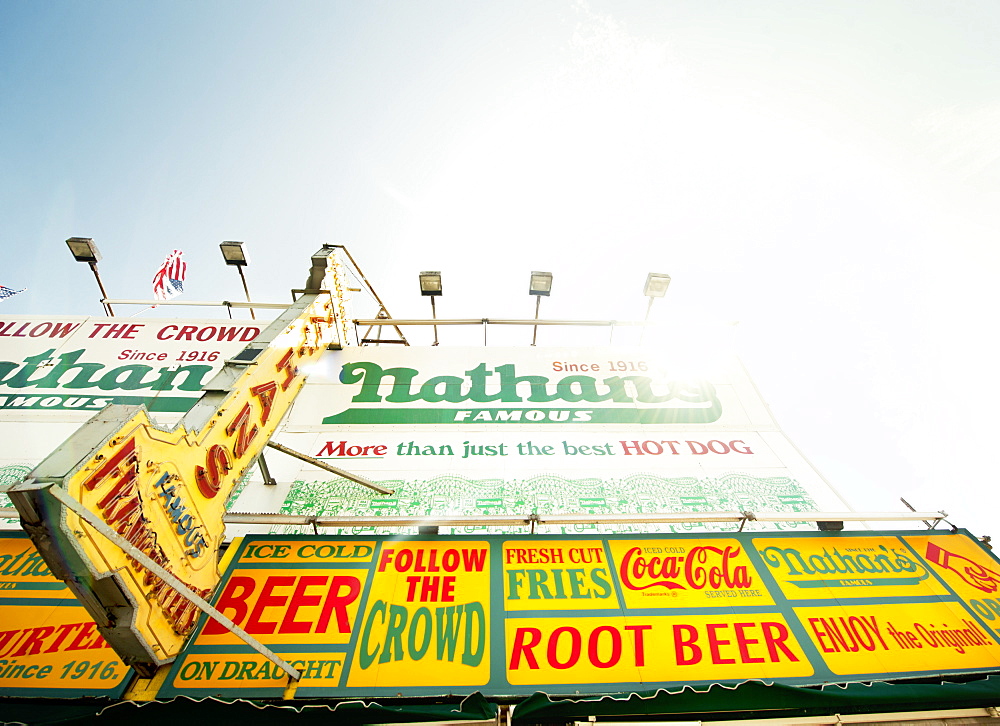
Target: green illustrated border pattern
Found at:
x=645, y=493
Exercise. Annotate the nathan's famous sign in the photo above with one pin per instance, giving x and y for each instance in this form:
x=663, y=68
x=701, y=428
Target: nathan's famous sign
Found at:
x=165, y=491
x=82, y=364
x=515, y=431
x=576, y=615
x=634, y=389
x=49, y=644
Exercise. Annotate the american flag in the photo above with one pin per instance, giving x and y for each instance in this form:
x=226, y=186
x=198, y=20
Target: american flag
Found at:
x=168, y=282
x=6, y=292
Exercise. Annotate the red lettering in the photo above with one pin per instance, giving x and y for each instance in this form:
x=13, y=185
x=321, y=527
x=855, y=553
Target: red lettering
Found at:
x=209, y=479
x=714, y=642
x=335, y=602
x=639, y=645
x=775, y=635
x=32, y=645
x=265, y=395
x=233, y=598
x=742, y=642
x=126, y=455
x=284, y=365
x=575, y=643
x=266, y=600
x=246, y=435
x=299, y=599
x=684, y=640
x=593, y=652
x=525, y=641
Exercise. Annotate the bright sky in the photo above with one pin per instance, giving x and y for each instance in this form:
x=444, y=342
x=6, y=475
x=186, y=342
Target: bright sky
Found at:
x=824, y=173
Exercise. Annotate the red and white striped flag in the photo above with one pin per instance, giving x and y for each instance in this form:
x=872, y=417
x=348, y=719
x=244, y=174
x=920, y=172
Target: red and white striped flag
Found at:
x=168, y=282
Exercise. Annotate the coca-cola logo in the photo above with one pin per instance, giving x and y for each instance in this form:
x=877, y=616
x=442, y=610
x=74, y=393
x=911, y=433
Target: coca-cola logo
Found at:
x=699, y=567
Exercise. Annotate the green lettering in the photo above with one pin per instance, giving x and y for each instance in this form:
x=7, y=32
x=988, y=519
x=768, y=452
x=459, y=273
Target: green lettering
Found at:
x=475, y=619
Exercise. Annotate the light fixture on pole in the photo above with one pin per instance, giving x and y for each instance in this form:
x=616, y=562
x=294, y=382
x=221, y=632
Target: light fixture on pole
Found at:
x=84, y=250
x=234, y=254
x=541, y=284
x=656, y=286
x=430, y=286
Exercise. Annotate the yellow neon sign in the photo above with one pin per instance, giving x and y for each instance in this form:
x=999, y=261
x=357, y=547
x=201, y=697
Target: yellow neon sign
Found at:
x=165, y=491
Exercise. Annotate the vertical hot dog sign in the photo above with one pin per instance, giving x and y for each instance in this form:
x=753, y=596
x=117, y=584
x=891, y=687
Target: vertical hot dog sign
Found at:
x=164, y=491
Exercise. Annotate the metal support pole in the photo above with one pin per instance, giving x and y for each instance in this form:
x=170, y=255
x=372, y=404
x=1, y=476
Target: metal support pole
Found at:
x=104, y=295
x=246, y=290
x=646, y=320
x=434, y=315
x=538, y=302
x=265, y=472
x=332, y=469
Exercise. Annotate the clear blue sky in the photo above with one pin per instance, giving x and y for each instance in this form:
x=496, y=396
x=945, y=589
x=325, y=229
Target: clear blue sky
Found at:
x=825, y=173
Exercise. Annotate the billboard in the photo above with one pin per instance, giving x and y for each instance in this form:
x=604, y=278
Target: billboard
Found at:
x=56, y=372
x=569, y=615
x=515, y=431
x=49, y=645
x=78, y=365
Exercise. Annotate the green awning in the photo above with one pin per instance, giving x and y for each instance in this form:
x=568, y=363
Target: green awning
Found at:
x=754, y=699
x=208, y=710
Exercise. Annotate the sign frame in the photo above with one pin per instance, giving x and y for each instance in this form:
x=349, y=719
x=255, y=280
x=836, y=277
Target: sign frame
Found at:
x=498, y=685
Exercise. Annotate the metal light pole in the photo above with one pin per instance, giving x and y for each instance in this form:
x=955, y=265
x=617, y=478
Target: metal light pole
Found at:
x=541, y=284
x=656, y=286
x=234, y=254
x=430, y=286
x=84, y=250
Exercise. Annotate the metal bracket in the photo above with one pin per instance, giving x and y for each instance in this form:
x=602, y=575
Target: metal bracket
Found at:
x=332, y=469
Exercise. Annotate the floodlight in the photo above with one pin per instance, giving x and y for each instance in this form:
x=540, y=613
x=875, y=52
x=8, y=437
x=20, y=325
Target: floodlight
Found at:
x=541, y=283
x=430, y=283
x=83, y=249
x=656, y=284
x=233, y=253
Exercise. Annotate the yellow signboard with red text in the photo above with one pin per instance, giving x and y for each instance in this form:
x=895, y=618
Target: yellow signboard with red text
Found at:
x=507, y=615
x=49, y=645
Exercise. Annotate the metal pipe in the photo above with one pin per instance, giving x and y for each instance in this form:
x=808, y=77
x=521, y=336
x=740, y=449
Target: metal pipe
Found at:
x=538, y=304
x=332, y=469
x=175, y=584
x=202, y=303
x=104, y=295
x=494, y=321
x=502, y=519
x=246, y=290
x=434, y=315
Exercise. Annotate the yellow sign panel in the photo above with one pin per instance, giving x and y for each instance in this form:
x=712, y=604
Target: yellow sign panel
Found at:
x=217, y=671
x=49, y=645
x=507, y=615
x=571, y=575
x=289, y=606
x=899, y=637
x=972, y=573
x=720, y=646
x=687, y=573
x=23, y=572
x=834, y=568
x=428, y=615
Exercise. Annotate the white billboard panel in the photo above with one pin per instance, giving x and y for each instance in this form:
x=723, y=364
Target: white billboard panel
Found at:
x=56, y=372
x=516, y=431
